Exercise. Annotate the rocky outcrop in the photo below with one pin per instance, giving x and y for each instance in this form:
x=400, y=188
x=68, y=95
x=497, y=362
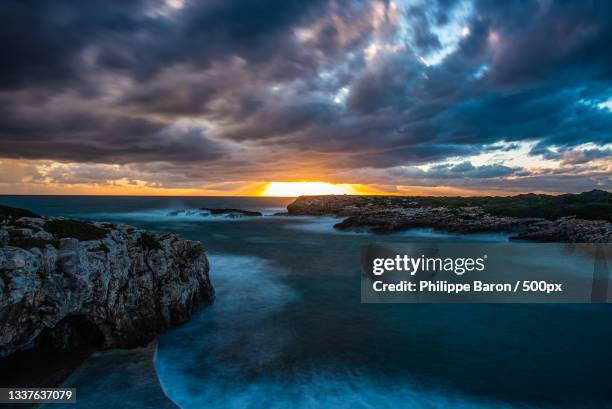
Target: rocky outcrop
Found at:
x=68, y=283
x=460, y=220
x=568, y=229
x=384, y=214
x=345, y=205
x=232, y=212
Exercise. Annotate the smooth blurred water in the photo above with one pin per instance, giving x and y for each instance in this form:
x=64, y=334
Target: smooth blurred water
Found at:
x=288, y=330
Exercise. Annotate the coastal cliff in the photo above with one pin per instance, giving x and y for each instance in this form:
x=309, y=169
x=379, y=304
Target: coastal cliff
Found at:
x=69, y=283
x=531, y=217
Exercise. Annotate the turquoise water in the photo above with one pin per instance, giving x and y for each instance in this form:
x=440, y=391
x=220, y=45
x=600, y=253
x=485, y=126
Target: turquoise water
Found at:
x=288, y=330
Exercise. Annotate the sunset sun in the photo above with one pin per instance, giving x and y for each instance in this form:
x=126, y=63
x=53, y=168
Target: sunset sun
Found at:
x=291, y=189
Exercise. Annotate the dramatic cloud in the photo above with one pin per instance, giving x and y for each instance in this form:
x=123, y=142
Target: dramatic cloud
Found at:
x=183, y=94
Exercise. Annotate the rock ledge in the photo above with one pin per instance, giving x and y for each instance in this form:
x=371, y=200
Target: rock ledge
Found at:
x=385, y=214
x=69, y=283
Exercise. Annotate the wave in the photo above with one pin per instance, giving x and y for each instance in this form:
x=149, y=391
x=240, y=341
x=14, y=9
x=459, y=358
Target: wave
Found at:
x=429, y=233
x=320, y=224
x=166, y=215
x=237, y=329
x=325, y=225
x=322, y=388
x=271, y=211
x=238, y=353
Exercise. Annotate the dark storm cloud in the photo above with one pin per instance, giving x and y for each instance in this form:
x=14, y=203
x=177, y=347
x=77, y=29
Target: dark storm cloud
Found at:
x=551, y=38
x=425, y=39
x=553, y=116
x=43, y=42
x=80, y=135
x=52, y=45
x=466, y=169
x=375, y=84
x=587, y=156
x=463, y=170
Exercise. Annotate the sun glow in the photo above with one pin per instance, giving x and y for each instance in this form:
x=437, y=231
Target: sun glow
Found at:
x=292, y=189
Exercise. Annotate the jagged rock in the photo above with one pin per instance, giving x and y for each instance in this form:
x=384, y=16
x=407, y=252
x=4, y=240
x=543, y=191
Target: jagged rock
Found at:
x=231, y=212
x=207, y=211
x=117, y=286
x=570, y=229
x=382, y=214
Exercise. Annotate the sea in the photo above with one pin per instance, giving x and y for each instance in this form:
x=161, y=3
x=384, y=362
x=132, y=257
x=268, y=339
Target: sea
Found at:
x=288, y=329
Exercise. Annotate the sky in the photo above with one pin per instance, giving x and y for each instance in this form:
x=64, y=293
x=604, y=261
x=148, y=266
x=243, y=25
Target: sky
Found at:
x=225, y=97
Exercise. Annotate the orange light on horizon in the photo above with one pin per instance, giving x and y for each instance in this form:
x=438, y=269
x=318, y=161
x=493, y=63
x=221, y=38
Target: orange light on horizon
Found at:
x=294, y=189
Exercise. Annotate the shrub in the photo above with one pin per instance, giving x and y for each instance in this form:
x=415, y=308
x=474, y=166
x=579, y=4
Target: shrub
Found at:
x=7, y=212
x=16, y=239
x=77, y=229
x=593, y=205
x=150, y=242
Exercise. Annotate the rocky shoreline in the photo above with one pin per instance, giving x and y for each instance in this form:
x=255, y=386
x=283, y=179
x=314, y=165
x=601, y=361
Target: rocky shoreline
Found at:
x=68, y=283
x=385, y=214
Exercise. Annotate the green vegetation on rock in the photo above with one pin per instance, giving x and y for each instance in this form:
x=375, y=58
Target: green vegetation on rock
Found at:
x=7, y=212
x=77, y=229
x=150, y=242
x=16, y=239
x=593, y=205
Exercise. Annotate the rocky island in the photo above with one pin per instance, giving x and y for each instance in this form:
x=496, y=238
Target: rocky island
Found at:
x=577, y=218
x=68, y=283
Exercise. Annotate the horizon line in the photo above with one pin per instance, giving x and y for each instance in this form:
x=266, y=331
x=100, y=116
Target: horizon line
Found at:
x=293, y=197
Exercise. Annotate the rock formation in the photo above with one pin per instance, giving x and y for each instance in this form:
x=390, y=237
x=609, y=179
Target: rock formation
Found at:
x=69, y=283
x=384, y=214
